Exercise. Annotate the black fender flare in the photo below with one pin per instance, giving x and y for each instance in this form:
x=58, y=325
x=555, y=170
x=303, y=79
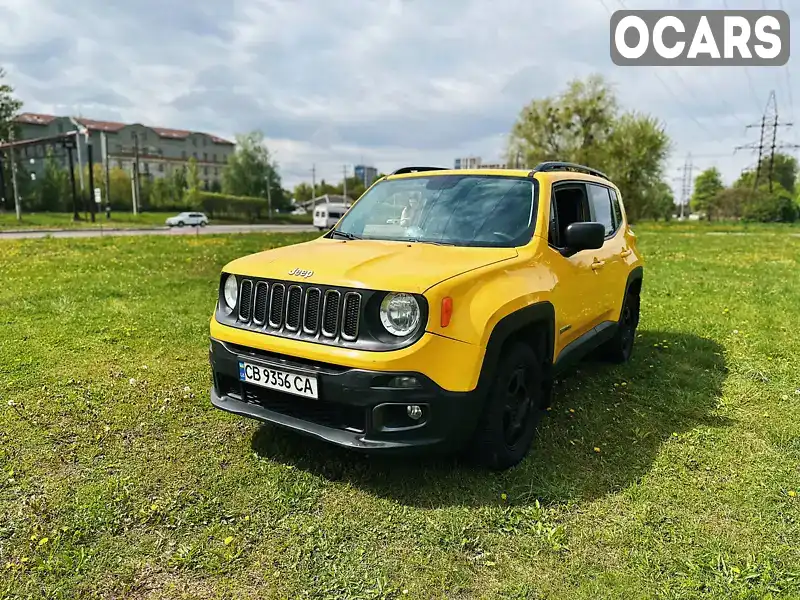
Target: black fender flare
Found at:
x=636, y=274
x=539, y=313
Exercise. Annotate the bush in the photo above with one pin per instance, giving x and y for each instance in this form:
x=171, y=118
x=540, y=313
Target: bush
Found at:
x=766, y=207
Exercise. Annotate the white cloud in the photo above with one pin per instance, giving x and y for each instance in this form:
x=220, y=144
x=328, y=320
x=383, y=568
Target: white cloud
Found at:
x=389, y=82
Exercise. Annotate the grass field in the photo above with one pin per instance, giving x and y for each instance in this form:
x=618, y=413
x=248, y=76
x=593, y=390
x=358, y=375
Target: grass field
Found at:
x=675, y=476
x=8, y=220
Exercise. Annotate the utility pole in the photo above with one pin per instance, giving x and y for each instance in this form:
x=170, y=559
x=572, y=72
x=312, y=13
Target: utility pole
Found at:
x=686, y=183
x=107, y=178
x=269, y=193
x=81, y=129
x=2, y=183
x=70, y=145
x=17, y=206
x=344, y=183
x=92, y=203
x=137, y=190
x=770, y=116
x=313, y=181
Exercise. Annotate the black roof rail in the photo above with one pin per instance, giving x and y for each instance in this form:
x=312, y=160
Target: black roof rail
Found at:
x=554, y=165
x=405, y=170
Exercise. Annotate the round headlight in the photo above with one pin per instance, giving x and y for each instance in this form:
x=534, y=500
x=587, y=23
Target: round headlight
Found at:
x=400, y=314
x=231, y=292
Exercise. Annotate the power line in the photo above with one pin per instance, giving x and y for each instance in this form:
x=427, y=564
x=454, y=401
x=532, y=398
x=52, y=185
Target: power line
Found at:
x=746, y=70
x=664, y=83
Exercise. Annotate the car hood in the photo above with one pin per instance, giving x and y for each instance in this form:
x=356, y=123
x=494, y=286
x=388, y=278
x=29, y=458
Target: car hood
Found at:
x=370, y=264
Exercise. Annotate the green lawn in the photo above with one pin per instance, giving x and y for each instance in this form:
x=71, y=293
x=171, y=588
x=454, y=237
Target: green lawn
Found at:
x=8, y=220
x=675, y=476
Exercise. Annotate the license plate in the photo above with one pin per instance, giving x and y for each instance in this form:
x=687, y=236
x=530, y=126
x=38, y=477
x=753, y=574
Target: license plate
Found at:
x=274, y=379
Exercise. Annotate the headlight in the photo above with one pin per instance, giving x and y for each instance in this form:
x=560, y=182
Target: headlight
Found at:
x=231, y=292
x=400, y=314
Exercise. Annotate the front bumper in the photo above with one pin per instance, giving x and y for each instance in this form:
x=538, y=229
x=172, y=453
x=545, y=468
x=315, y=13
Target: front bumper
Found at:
x=355, y=407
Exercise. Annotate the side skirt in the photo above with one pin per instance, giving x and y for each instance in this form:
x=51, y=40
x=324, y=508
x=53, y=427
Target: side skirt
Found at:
x=586, y=343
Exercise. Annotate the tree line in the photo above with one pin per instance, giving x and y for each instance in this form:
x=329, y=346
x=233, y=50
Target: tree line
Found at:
x=754, y=196
x=583, y=124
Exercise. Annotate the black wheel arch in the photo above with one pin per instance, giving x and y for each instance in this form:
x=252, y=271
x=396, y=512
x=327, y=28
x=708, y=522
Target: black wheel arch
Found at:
x=540, y=318
x=634, y=280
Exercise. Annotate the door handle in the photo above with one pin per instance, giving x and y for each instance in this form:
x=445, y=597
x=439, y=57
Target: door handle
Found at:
x=597, y=264
x=625, y=253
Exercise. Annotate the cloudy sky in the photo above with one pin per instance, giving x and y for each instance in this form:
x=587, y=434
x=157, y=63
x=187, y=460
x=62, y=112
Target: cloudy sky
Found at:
x=387, y=82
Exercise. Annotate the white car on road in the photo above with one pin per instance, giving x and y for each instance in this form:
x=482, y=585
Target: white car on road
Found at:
x=195, y=219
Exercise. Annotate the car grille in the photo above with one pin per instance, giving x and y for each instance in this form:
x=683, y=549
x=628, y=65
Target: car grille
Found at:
x=303, y=310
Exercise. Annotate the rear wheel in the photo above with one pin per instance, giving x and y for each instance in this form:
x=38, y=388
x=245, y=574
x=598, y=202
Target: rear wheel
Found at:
x=513, y=409
x=620, y=348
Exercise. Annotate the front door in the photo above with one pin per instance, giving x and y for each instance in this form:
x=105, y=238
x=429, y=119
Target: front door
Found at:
x=580, y=298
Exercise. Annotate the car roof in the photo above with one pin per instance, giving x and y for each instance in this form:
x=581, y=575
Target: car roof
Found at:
x=554, y=175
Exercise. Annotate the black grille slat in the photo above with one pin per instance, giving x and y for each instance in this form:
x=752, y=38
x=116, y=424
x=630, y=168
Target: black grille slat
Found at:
x=293, y=305
x=245, y=300
x=330, y=313
x=301, y=310
x=261, y=303
x=276, y=305
x=350, y=315
x=311, y=310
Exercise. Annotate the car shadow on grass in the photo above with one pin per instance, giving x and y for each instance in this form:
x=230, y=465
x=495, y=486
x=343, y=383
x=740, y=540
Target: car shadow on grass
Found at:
x=602, y=432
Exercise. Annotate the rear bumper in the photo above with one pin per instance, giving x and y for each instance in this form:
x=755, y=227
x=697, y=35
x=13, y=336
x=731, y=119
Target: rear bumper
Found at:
x=355, y=408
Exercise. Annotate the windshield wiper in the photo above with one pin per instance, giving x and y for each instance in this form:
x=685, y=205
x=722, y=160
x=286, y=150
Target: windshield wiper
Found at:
x=435, y=243
x=344, y=234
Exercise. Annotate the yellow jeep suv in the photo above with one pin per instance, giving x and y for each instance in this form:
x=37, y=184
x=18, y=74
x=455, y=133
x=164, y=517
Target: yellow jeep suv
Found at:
x=435, y=313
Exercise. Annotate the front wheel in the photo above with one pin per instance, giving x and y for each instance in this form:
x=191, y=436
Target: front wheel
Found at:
x=181, y=223
x=203, y=223
x=513, y=409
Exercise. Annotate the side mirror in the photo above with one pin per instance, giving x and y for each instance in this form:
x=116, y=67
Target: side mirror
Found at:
x=584, y=236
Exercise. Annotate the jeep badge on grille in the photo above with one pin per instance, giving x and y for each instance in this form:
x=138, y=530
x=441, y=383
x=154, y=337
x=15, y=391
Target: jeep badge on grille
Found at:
x=301, y=273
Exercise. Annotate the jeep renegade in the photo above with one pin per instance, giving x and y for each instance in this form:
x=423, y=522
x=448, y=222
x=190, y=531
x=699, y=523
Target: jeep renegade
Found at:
x=435, y=313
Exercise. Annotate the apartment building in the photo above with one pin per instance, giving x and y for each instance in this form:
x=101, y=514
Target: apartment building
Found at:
x=160, y=150
x=475, y=162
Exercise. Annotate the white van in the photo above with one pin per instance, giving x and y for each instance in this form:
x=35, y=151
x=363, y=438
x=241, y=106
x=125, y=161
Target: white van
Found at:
x=327, y=215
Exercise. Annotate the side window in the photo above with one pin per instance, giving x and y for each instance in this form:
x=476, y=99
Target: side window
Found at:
x=600, y=205
x=569, y=205
x=617, y=208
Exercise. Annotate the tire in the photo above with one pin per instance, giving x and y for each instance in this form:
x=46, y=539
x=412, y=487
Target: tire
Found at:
x=513, y=409
x=181, y=223
x=620, y=348
x=203, y=223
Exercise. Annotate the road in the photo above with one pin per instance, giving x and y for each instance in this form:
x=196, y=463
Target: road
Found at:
x=210, y=229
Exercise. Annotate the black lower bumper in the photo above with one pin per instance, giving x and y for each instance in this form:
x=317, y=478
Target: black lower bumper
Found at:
x=356, y=408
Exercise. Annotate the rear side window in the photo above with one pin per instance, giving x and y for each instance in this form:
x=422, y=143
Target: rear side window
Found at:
x=617, y=209
x=600, y=207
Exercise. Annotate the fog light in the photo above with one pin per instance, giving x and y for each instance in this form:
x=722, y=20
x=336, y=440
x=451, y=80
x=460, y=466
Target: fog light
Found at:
x=403, y=381
x=414, y=411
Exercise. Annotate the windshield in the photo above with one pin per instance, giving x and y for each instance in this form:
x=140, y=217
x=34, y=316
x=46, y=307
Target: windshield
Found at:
x=461, y=210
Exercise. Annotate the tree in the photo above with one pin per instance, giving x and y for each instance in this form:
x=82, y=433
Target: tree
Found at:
x=250, y=170
x=785, y=173
x=192, y=193
x=707, y=187
x=302, y=192
x=53, y=190
x=584, y=125
x=658, y=202
x=635, y=152
x=9, y=107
